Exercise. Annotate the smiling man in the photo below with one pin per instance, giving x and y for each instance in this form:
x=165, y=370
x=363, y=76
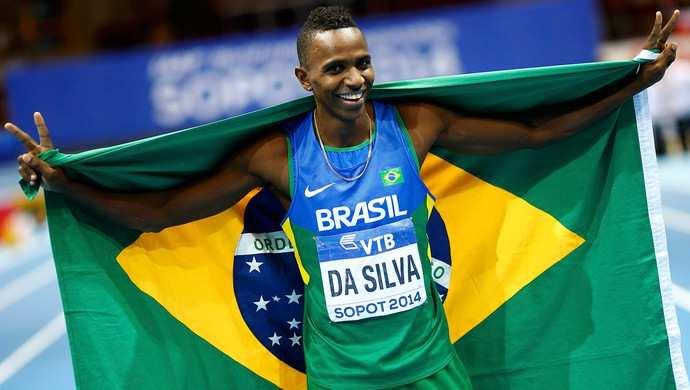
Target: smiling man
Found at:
x=348, y=176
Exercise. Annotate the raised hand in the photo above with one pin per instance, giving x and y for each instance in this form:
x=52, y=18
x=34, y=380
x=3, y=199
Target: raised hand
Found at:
x=31, y=168
x=654, y=71
x=659, y=35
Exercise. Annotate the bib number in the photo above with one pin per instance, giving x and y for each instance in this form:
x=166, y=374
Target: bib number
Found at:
x=371, y=273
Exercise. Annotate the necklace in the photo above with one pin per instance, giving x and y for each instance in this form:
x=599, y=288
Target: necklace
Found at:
x=328, y=162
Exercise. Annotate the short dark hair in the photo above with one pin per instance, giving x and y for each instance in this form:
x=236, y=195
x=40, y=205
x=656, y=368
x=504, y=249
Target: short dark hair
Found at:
x=321, y=19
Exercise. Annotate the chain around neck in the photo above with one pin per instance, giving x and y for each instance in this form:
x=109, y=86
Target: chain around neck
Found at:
x=328, y=161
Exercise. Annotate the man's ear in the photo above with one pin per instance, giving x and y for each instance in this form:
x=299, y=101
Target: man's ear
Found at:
x=303, y=78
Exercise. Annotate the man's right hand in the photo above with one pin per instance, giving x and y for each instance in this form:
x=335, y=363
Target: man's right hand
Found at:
x=31, y=168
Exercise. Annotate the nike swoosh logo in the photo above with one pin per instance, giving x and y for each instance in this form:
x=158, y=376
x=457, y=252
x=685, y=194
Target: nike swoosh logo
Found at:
x=310, y=193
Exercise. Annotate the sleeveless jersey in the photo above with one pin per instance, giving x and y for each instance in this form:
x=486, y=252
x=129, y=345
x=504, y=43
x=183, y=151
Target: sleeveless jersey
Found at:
x=372, y=317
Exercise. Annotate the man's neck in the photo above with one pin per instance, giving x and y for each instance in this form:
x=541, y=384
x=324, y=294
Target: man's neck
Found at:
x=340, y=133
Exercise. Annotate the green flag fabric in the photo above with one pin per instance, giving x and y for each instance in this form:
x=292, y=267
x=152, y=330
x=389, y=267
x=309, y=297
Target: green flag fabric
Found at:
x=551, y=262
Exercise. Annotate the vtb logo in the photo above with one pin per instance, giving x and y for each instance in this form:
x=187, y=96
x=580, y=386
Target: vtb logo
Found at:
x=347, y=241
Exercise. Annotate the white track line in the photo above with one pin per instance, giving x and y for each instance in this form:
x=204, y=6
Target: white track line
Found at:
x=13, y=260
x=26, y=284
x=679, y=189
x=34, y=346
x=8, y=265
x=682, y=297
x=677, y=220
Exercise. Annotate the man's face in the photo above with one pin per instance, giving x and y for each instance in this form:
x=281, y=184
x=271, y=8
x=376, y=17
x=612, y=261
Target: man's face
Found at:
x=338, y=71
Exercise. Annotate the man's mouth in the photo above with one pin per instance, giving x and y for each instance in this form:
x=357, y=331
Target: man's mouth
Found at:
x=352, y=97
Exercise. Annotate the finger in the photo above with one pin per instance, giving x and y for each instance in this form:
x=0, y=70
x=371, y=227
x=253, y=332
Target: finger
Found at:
x=24, y=172
x=24, y=169
x=668, y=55
x=658, y=19
x=652, y=38
x=670, y=26
x=24, y=138
x=27, y=173
x=43, y=133
x=35, y=163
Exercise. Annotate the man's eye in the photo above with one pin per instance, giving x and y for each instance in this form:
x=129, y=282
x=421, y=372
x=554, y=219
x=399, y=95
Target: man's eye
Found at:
x=334, y=69
x=365, y=63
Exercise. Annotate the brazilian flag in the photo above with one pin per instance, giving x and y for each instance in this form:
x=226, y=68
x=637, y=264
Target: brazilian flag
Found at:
x=551, y=263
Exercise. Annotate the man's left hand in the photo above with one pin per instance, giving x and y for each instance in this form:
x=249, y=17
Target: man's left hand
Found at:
x=654, y=71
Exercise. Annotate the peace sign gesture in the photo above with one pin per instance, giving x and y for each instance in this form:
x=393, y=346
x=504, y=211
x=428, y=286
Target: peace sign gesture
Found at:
x=652, y=72
x=658, y=36
x=32, y=169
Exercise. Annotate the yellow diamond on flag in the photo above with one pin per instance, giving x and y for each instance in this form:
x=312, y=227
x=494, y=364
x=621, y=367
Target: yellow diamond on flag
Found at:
x=499, y=242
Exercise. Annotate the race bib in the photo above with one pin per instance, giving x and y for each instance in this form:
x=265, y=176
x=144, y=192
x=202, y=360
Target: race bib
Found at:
x=371, y=273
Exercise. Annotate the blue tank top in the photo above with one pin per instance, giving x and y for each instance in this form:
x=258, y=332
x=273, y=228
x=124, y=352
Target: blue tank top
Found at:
x=372, y=316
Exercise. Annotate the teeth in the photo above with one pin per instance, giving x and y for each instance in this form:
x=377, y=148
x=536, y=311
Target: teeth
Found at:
x=351, y=96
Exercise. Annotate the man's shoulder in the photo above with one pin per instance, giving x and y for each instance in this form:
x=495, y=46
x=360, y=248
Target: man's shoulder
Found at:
x=267, y=158
x=417, y=109
x=423, y=121
x=272, y=144
x=419, y=116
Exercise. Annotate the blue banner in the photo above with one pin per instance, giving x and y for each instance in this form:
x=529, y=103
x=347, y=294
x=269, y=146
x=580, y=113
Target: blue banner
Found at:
x=366, y=242
x=110, y=98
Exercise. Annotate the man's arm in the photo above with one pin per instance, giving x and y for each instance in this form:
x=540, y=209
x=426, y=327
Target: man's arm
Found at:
x=264, y=161
x=430, y=124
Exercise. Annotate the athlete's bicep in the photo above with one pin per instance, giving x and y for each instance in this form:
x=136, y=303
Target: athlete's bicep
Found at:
x=430, y=124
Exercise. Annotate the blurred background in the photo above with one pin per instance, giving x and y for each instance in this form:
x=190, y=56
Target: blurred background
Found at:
x=109, y=71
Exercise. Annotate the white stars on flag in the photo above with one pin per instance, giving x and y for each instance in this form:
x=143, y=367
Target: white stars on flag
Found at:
x=272, y=295
x=275, y=339
x=261, y=304
x=295, y=339
x=294, y=297
x=294, y=323
x=254, y=265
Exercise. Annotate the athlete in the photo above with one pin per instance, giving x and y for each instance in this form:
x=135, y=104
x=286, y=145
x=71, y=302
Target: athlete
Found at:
x=348, y=176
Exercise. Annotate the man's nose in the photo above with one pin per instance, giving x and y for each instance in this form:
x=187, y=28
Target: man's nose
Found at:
x=354, y=78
